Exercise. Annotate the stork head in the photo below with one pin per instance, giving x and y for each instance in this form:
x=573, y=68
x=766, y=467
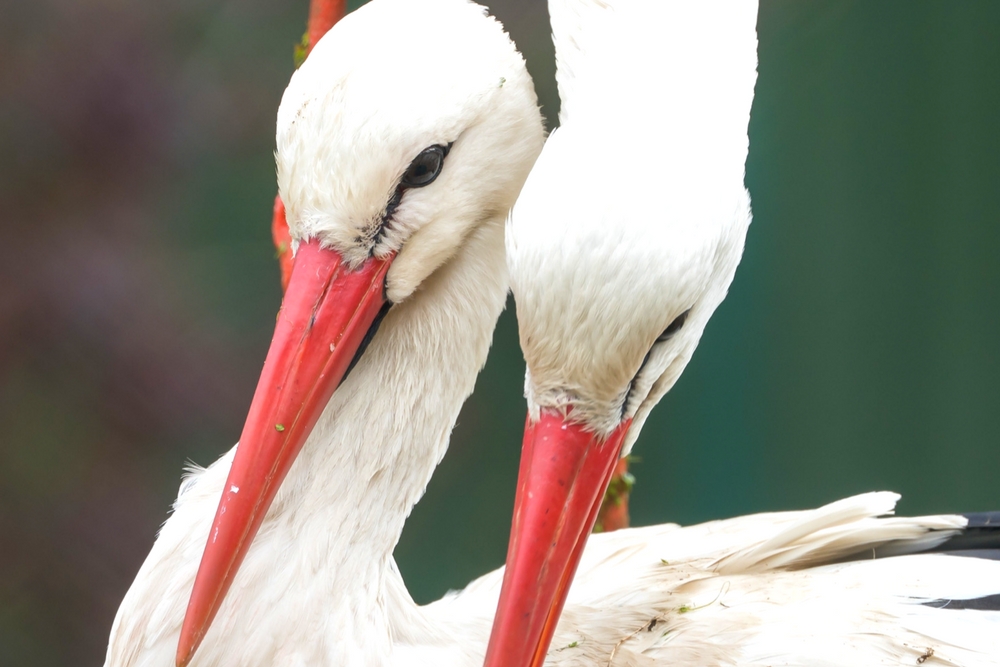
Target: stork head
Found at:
x=618, y=258
x=615, y=280
x=409, y=125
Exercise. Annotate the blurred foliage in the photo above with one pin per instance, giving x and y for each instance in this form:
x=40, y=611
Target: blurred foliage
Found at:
x=138, y=289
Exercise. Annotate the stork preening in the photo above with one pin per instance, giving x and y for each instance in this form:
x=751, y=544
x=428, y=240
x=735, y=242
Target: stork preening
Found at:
x=402, y=143
x=622, y=244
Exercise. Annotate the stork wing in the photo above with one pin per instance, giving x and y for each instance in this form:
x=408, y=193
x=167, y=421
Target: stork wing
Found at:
x=843, y=584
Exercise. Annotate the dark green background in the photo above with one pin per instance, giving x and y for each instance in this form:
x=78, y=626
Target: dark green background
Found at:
x=138, y=287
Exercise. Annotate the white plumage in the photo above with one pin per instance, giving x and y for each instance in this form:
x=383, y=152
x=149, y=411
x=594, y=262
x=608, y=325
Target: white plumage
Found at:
x=759, y=590
x=636, y=210
x=622, y=244
x=319, y=587
x=768, y=590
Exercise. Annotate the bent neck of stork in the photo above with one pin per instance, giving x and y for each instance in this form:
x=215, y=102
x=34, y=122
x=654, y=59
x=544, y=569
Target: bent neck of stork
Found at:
x=373, y=451
x=387, y=427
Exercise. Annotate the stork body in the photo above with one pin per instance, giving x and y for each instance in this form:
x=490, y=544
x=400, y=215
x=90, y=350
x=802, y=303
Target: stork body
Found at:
x=622, y=244
x=769, y=589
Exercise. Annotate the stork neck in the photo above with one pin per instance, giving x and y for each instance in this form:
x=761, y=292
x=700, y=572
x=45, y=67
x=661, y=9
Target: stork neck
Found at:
x=378, y=441
x=694, y=105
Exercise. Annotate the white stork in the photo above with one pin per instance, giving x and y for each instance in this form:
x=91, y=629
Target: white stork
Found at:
x=401, y=143
x=622, y=244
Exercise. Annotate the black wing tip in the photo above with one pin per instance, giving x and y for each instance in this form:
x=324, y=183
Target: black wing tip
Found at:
x=981, y=534
x=985, y=603
x=987, y=520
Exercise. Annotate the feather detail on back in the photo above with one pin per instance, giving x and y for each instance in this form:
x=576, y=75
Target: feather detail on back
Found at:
x=767, y=589
x=840, y=530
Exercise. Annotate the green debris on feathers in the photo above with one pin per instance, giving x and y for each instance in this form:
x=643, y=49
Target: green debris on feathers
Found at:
x=280, y=428
x=686, y=608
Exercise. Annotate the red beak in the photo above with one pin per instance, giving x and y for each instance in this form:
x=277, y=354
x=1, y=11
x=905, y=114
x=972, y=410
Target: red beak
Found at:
x=327, y=317
x=564, y=473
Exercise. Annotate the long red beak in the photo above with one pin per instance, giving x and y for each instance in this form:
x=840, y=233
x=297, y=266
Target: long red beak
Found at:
x=564, y=473
x=327, y=318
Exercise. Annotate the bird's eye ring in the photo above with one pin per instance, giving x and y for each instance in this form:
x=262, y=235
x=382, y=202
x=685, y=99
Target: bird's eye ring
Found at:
x=673, y=327
x=425, y=167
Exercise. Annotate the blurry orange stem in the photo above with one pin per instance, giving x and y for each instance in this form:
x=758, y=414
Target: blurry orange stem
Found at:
x=322, y=15
x=282, y=241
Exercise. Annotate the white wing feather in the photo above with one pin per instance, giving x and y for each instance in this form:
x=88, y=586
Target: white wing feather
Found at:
x=762, y=590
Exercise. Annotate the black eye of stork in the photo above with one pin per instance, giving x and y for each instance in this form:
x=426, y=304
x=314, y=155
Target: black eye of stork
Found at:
x=425, y=167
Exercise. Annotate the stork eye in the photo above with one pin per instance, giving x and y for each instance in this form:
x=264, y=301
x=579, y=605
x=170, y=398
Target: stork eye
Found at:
x=674, y=326
x=425, y=167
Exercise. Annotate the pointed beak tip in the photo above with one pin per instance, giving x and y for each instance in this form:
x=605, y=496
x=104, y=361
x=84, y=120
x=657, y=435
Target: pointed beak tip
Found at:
x=185, y=651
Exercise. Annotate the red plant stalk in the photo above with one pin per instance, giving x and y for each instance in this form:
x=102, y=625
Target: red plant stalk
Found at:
x=323, y=14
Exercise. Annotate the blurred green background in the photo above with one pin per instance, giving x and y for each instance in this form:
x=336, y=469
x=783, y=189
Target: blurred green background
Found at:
x=856, y=351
